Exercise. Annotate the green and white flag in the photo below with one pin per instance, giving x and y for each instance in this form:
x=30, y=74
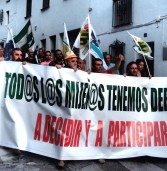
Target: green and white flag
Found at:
x=25, y=40
x=141, y=46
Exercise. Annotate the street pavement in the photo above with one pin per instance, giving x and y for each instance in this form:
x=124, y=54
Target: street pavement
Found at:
x=10, y=161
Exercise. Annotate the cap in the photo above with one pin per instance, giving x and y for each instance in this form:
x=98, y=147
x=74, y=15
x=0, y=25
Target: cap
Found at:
x=70, y=54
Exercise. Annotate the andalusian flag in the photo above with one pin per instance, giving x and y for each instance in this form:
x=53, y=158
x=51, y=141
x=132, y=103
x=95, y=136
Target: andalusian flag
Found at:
x=25, y=40
x=66, y=43
x=141, y=46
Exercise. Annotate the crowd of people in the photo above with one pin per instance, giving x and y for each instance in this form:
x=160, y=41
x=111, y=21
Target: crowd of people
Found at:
x=134, y=68
x=73, y=61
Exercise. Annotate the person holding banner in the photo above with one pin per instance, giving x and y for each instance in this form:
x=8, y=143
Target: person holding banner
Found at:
x=41, y=55
x=48, y=58
x=58, y=59
x=31, y=57
x=97, y=65
x=141, y=67
x=108, y=60
x=81, y=64
x=16, y=55
x=132, y=70
x=1, y=54
x=70, y=61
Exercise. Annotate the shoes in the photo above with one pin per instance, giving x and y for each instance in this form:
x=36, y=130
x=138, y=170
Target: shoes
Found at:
x=17, y=151
x=101, y=161
x=61, y=164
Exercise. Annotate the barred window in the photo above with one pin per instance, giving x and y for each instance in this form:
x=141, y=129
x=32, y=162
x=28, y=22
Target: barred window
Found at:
x=1, y=16
x=28, y=9
x=122, y=12
x=46, y=4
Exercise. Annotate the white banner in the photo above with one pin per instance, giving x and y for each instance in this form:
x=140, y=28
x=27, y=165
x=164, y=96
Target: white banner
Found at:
x=74, y=115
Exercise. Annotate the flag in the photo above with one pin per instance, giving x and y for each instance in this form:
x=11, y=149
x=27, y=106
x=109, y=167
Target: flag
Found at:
x=84, y=39
x=66, y=43
x=25, y=40
x=94, y=47
x=77, y=42
x=9, y=46
x=141, y=46
x=88, y=43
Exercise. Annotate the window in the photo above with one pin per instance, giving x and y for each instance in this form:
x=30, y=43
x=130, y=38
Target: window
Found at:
x=72, y=35
x=122, y=12
x=7, y=17
x=164, y=53
x=1, y=16
x=28, y=10
x=43, y=43
x=150, y=63
x=45, y=4
x=53, y=44
x=1, y=45
x=115, y=49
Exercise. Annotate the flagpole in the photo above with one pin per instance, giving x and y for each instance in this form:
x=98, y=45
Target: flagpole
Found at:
x=33, y=48
x=146, y=65
x=34, y=45
x=66, y=42
x=89, y=54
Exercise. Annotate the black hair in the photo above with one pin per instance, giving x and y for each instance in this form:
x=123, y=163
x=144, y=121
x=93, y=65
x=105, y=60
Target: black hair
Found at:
x=128, y=67
x=12, y=52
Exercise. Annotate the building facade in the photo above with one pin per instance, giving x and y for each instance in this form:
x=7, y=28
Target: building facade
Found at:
x=111, y=20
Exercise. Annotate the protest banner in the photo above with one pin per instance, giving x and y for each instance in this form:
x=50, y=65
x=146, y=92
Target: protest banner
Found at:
x=71, y=115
